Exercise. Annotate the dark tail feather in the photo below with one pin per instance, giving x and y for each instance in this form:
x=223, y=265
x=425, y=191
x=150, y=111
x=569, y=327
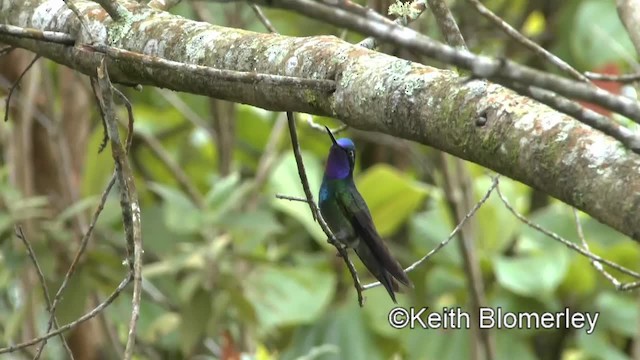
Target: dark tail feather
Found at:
x=385, y=259
x=377, y=270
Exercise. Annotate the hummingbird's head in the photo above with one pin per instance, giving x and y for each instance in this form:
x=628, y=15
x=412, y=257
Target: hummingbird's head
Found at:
x=341, y=159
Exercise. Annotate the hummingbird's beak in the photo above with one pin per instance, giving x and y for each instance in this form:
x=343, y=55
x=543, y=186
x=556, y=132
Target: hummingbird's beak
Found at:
x=332, y=138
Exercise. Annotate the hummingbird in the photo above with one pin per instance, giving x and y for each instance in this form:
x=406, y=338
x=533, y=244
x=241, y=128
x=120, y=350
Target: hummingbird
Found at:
x=349, y=218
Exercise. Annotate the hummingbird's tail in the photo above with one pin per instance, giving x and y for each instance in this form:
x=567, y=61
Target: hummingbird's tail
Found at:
x=380, y=269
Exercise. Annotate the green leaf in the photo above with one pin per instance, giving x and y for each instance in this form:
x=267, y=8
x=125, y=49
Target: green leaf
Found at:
x=221, y=189
x=598, y=36
x=180, y=214
x=618, y=313
x=597, y=346
x=340, y=334
x=438, y=344
x=251, y=229
x=580, y=278
x=428, y=229
x=285, y=181
x=288, y=296
x=535, y=275
x=508, y=343
x=77, y=207
x=391, y=195
x=194, y=320
x=161, y=326
x=73, y=303
x=493, y=239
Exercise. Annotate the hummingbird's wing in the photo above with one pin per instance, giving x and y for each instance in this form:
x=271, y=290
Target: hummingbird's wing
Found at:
x=355, y=209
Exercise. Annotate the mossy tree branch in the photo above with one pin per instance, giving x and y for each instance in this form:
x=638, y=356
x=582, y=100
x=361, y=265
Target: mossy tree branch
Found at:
x=474, y=120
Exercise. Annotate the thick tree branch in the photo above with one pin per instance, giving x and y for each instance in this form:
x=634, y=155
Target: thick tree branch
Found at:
x=518, y=136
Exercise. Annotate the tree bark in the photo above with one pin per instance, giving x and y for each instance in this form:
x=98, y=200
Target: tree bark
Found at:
x=521, y=138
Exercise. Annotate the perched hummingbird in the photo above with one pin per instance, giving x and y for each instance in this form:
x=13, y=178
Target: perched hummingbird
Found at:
x=349, y=219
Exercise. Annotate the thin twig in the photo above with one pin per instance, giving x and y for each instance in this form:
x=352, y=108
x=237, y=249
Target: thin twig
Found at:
x=291, y=198
x=624, y=78
x=76, y=259
x=74, y=9
x=263, y=19
x=123, y=284
x=453, y=233
x=316, y=212
x=36, y=34
x=45, y=291
x=291, y=121
x=537, y=49
x=447, y=24
x=567, y=243
x=15, y=85
x=128, y=197
x=596, y=264
x=113, y=8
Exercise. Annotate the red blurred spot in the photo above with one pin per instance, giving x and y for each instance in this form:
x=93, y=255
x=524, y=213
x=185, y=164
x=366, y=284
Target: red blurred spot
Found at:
x=610, y=86
x=229, y=350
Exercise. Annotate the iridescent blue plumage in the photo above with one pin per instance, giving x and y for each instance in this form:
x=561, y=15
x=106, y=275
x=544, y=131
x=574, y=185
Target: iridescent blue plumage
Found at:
x=348, y=217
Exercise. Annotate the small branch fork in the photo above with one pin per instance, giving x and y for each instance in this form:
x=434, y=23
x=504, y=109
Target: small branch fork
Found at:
x=133, y=232
x=596, y=260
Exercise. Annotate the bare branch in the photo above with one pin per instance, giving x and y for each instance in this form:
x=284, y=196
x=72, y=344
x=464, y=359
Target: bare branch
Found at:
x=629, y=13
x=28, y=33
x=263, y=19
x=625, y=78
x=45, y=291
x=15, y=85
x=114, y=9
x=537, y=49
x=81, y=248
x=447, y=24
x=560, y=239
x=128, y=198
x=123, y=284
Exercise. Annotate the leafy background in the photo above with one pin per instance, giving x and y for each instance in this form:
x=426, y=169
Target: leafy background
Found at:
x=244, y=272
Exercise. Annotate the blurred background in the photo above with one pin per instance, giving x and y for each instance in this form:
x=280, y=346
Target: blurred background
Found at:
x=231, y=272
